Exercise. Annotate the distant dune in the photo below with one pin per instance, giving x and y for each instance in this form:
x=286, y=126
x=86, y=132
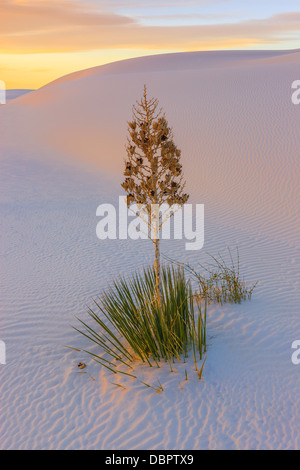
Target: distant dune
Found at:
x=13, y=94
x=186, y=61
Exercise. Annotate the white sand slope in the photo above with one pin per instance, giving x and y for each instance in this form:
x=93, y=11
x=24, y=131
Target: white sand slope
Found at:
x=62, y=151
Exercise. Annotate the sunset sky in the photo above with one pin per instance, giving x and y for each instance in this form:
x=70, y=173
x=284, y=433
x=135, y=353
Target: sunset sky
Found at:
x=41, y=40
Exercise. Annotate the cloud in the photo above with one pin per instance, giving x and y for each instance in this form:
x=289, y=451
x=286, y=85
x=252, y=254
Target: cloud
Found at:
x=150, y=4
x=47, y=16
x=42, y=26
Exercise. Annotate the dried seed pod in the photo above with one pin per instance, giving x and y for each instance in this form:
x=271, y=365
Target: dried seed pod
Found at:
x=132, y=125
x=81, y=365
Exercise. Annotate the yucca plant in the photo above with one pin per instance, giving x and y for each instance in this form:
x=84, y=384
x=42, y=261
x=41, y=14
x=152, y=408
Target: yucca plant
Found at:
x=128, y=324
x=153, y=172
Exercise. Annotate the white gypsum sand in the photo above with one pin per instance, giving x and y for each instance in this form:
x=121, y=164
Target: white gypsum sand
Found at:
x=62, y=150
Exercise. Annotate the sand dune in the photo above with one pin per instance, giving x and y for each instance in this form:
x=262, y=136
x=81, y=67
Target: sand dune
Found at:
x=187, y=61
x=62, y=151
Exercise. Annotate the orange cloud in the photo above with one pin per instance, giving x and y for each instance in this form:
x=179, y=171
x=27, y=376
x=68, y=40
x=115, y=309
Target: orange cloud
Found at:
x=46, y=16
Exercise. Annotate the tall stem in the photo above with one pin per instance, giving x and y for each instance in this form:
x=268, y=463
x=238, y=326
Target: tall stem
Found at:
x=158, y=289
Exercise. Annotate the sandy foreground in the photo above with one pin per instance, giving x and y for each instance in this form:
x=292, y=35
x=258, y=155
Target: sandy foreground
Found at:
x=62, y=151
